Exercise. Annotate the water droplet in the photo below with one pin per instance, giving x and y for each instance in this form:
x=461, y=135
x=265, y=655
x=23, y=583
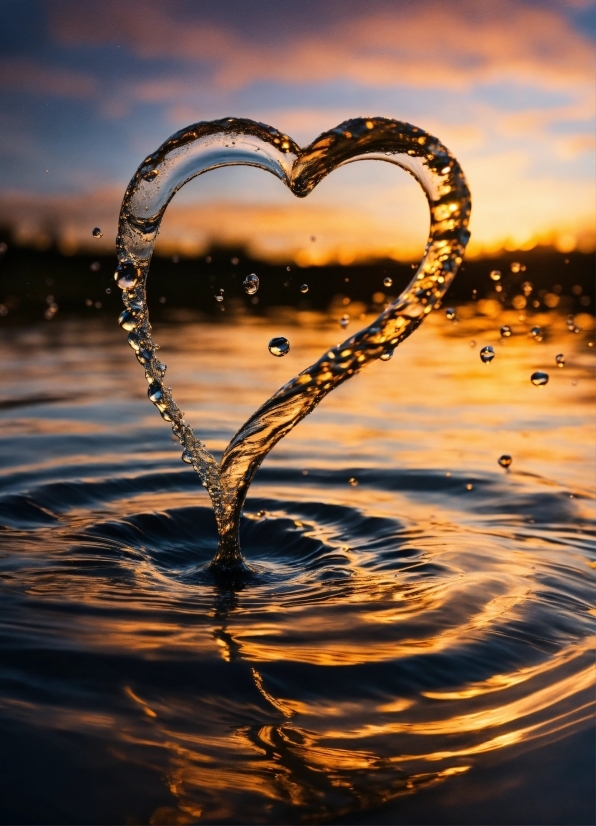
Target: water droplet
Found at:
x=344, y=320
x=487, y=354
x=495, y=275
x=560, y=360
x=304, y=288
x=220, y=296
x=353, y=482
x=155, y=392
x=97, y=233
x=108, y=291
x=387, y=355
x=234, y=261
x=570, y=323
x=388, y=281
x=279, y=346
x=537, y=333
x=251, y=283
x=144, y=356
x=127, y=274
x=450, y=313
x=469, y=486
x=127, y=321
x=187, y=457
x=506, y=331
x=133, y=341
x=539, y=379
x=505, y=460
x=515, y=266
x=95, y=266
x=472, y=343
x=527, y=288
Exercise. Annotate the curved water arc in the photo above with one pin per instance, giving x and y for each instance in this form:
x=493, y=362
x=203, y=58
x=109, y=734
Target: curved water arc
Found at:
x=409, y=147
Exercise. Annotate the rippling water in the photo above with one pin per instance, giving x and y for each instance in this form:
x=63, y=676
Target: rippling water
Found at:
x=413, y=645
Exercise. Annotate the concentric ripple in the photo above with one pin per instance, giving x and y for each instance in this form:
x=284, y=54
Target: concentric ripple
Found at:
x=399, y=630
x=362, y=657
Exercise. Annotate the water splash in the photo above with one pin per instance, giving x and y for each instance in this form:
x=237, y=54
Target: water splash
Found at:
x=209, y=145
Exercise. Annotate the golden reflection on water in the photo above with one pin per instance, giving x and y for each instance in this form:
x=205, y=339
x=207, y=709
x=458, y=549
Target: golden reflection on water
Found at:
x=328, y=705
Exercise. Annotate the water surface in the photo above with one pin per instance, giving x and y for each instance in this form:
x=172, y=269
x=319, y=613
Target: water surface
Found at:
x=414, y=641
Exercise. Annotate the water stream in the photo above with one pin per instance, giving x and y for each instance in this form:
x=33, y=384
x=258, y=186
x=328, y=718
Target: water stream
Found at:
x=209, y=145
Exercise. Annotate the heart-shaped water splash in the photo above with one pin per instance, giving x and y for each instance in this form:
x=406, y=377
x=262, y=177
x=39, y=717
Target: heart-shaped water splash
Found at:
x=234, y=142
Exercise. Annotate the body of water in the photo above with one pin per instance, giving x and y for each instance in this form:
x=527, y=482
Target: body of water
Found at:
x=414, y=641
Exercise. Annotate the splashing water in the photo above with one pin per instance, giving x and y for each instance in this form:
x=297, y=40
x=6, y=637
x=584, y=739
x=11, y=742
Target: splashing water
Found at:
x=230, y=142
x=539, y=378
x=487, y=354
x=279, y=346
x=251, y=284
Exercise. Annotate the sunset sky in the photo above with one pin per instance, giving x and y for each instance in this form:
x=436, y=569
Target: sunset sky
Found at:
x=87, y=89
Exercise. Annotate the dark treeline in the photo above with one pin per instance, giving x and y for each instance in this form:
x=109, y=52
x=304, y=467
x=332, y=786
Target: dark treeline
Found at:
x=32, y=280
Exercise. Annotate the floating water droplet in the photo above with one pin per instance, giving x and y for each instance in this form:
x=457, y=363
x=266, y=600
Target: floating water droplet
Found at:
x=560, y=360
x=187, y=457
x=469, y=486
x=127, y=320
x=537, y=333
x=344, y=320
x=495, y=275
x=279, y=346
x=487, y=354
x=234, y=261
x=515, y=266
x=127, y=275
x=450, y=313
x=527, y=288
x=97, y=233
x=251, y=283
x=570, y=323
x=304, y=288
x=388, y=281
x=95, y=266
x=219, y=297
x=155, y=392
x=353, y=481
x=505, y=460
x=506, y=331
x=539, y=379
x=472, y=343
x=387, y=355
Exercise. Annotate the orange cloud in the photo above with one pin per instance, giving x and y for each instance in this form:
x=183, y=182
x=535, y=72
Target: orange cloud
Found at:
x=26, y=75
x=420, y=44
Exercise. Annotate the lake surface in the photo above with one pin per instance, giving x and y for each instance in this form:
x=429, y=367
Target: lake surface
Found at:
x=415, y=642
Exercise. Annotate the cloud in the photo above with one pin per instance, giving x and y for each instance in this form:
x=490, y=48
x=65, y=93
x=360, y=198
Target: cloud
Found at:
x=28, y=75
x=418, y=44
